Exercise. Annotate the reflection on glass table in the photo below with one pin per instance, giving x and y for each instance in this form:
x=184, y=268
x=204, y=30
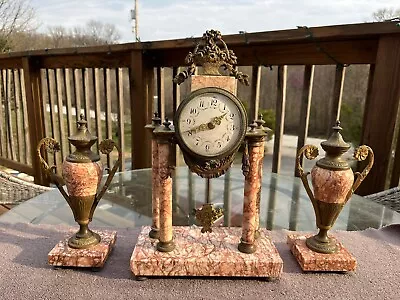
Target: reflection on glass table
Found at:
x=284, y=204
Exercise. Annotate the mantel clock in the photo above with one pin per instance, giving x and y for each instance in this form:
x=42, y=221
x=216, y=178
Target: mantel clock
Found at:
x=210, y=125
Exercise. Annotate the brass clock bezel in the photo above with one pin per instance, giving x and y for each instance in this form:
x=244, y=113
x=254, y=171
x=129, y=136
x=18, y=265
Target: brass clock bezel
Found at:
x=200, y=92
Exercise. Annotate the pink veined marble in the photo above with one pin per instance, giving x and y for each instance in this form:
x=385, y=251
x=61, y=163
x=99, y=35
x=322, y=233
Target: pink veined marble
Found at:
x=82, y=179
x=155, y=199
x=206, y=254
x=331, y=186
x=165, y=190
x=251, y=190
x=341, y=261
x=64, y=256
x=223, y=82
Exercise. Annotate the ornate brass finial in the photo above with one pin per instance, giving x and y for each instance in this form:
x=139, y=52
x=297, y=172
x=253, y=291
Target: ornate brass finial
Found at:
x=260, y=122
x=211, y=57
x=207, y=215
x=167, y=123
x=253, y=126
x=156, y=120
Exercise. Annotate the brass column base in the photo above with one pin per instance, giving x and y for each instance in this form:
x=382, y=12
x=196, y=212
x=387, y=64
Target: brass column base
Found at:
x=154, y=233
x=84, y=242
x=328, y=246
x=246, y=247
x=166, y=246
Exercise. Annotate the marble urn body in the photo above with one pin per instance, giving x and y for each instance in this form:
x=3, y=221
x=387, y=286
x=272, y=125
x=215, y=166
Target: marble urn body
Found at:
x=331, y=186
x=333, y=183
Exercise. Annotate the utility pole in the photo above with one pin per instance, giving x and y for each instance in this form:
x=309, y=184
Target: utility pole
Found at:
x=134, y=18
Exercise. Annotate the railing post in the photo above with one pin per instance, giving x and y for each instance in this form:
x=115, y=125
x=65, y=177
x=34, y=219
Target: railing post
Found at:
x=381, y=112
x=34, y=102
x=141, y=81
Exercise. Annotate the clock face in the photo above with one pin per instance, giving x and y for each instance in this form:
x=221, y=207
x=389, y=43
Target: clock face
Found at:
x=210, y=123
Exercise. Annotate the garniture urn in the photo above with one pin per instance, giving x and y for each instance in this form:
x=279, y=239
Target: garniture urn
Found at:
x=333, y=184
x=82, y=171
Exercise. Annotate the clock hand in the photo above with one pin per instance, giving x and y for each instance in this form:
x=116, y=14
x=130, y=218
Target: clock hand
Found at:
x=217, y=120
x=207, y=126
x=199, y=128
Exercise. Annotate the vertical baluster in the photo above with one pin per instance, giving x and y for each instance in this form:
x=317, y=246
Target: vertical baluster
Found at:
x=109, y=100
x=27, y=144
x=337, y=94
x=255, y=93
x=161, y=92
x=70, y=96
x=121, y=117
x=305, y=109
x=89, y=90
x=60, y=86
x=9, y=119
x=46, y=109
x=78, y=92
x=52, y=97
x=18, y=108
x=280, y=117
x=98, y=99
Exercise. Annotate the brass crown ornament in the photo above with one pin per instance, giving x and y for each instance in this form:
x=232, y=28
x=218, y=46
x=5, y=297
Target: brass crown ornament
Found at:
x=211, y=57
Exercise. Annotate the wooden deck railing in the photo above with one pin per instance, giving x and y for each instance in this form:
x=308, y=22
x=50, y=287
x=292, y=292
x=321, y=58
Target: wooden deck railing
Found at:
x=119, y=86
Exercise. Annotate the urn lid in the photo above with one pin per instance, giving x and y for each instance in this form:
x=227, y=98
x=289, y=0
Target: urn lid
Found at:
x=83, y=140
x=334, y=147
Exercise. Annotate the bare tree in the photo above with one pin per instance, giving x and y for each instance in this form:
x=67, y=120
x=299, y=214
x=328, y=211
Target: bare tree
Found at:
x=59, y=36
x=15, y=16
x=386, y=14
x=97, y=33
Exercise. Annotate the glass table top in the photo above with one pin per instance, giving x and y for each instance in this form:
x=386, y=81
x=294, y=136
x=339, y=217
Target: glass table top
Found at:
x=127, y=203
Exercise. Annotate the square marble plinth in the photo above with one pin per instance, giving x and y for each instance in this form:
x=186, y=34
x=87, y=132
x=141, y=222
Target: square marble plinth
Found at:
x=94, y=257
x=309, y=260
x=205, y=254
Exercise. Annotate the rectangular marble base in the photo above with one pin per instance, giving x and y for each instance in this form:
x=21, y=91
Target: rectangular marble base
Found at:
x=205, y=254
x=94, y=257
x=309, y=260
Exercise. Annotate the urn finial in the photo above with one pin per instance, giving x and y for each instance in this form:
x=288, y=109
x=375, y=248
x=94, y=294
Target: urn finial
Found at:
x=334, y=147
x=83, y=140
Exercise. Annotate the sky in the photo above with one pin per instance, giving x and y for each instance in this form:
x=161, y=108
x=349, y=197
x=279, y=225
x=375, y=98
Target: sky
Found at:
x=172, y=19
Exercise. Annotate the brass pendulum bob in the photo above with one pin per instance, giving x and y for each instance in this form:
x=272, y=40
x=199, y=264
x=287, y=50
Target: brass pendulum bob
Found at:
x=208, y=214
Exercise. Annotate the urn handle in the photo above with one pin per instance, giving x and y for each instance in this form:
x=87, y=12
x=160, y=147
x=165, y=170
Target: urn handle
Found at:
x=106, y=147
x=52, y=146
x=310, y=152
x=360, y=154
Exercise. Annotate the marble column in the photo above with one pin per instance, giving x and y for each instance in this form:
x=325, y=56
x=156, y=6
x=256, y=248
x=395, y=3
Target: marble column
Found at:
x=155, y=197
x=260, y=171
x=252, y=188
x=165, y=238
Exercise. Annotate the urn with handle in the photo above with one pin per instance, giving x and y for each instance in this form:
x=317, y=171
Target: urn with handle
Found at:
x=82, y=171
x=333, y=184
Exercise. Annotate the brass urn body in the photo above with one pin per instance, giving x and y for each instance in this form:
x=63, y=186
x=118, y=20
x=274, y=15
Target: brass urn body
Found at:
x=333, y=184
x=82, y=171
